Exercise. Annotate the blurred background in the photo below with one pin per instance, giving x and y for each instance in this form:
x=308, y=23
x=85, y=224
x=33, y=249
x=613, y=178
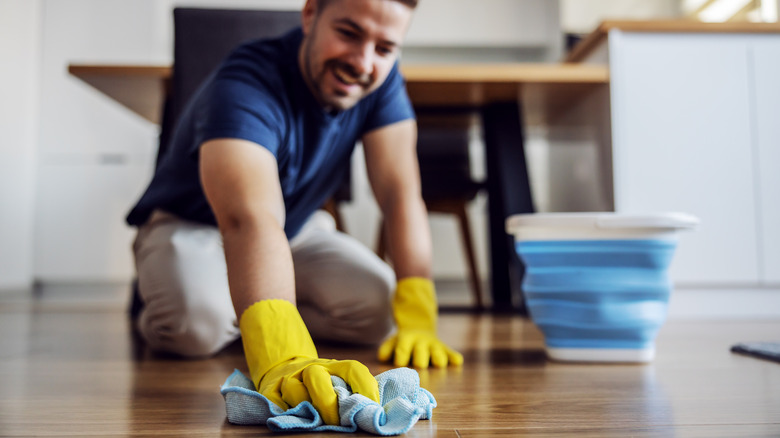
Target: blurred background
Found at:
x=73, y=161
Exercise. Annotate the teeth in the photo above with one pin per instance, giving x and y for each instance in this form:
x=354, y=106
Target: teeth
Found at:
x=344, y=76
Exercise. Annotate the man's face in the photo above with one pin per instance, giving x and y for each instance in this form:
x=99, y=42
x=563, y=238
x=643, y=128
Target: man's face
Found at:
x=349, y=47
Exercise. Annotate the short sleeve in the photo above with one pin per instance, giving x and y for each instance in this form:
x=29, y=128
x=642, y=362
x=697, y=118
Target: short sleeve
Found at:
x=233, y=108
x=390, y=103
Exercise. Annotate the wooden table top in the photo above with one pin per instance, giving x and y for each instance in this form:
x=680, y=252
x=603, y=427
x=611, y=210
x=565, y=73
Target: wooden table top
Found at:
x=595, y=38
x=543, y=88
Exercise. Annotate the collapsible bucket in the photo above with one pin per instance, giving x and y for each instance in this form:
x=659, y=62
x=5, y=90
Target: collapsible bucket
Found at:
x=597, y=284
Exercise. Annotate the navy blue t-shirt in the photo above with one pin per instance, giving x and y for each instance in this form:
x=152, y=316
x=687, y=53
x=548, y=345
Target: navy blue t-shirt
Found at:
x=258, y=94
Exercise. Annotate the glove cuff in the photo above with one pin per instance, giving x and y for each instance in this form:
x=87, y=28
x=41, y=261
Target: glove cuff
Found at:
x=273, y=332
x=414, y=304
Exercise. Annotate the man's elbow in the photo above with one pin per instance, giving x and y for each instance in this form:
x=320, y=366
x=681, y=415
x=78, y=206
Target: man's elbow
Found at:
x=245, y=219
x=400, y=200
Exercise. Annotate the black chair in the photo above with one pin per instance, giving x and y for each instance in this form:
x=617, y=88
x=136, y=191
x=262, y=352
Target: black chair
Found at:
x=447, y=184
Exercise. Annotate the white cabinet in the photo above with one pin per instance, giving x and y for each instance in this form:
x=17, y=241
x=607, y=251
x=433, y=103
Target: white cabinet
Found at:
x=690, y=124
x=682, y=142
x=694, y=124
x=765, y=67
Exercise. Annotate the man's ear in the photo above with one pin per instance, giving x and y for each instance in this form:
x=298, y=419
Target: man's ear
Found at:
x=308, y=15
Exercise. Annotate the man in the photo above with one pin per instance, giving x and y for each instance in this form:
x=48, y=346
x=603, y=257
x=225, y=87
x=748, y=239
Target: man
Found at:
x=259, y=148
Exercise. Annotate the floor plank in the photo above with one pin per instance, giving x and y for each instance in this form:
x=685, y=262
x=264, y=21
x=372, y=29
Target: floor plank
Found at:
x=74, y=369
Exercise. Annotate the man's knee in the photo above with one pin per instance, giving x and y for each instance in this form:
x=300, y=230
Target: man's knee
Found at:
x=359, y=314
x=190, y=317
x=378, y=329
x=194, y=330
x=370, y=317
x=183, y=284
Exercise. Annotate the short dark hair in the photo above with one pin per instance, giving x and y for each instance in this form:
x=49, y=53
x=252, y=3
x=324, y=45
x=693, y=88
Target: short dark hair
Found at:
x=411, y=3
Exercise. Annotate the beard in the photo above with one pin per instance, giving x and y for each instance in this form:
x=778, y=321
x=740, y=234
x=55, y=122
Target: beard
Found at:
x=316, y=78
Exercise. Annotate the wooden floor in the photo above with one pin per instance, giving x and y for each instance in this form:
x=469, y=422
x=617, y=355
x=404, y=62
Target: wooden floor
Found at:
x=74, y=368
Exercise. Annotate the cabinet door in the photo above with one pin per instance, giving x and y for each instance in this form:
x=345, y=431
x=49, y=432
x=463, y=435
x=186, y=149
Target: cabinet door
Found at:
x=682, y=141
x=80, y=232
x=765, y=54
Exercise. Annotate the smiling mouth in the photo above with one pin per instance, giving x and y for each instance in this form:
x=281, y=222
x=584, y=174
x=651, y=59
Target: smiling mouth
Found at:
x=346, y=76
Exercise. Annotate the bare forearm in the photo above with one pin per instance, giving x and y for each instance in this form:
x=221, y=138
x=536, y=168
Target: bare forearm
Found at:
x=408, y=236
x=391, y=161
x=259, y=262
x=241, y=183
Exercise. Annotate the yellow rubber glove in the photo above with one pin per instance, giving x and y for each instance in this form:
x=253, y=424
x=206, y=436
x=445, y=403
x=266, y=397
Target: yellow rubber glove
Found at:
x=415, y=312
x=283, y=361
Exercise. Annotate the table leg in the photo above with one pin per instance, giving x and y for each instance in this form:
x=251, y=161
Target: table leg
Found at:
x=509, y=192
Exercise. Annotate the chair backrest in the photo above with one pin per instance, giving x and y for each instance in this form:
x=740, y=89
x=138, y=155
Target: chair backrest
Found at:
x=202, y=39
x=443, y=155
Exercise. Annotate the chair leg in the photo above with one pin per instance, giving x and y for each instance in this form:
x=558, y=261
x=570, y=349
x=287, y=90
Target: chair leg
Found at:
x=465, y=232
x=136, y=303
x=381, y=245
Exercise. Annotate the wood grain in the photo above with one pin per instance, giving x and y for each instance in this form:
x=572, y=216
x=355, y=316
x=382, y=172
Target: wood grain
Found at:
x=138, y=88
x=599, y=35
x=544, y=89
x=72, y=370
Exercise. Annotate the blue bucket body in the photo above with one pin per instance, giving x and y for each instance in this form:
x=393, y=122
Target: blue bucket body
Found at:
x=597, y=294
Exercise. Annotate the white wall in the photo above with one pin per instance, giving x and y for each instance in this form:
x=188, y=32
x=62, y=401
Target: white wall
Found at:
x=19, y=51
x=582, y=16
x=485, y=31
x=95, y=156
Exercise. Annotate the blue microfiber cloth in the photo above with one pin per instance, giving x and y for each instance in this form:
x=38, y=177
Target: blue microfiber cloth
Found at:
x=403, y=402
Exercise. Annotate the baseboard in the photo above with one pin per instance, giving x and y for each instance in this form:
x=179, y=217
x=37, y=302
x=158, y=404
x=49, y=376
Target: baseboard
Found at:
x=685, y=302
x=13, y=287
x=725, y=303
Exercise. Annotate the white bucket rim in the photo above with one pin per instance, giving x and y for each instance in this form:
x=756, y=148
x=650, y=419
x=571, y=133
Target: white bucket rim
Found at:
x=601, y=221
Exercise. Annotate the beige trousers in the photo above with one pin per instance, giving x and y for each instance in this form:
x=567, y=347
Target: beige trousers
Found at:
x=343, y=289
